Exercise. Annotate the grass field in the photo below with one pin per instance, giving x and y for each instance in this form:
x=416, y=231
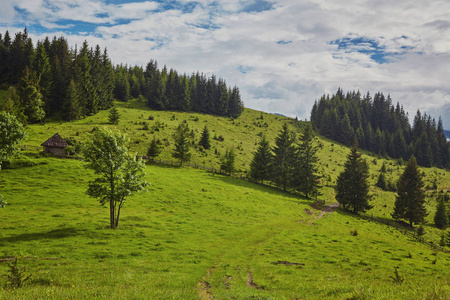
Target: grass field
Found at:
x=198, y=235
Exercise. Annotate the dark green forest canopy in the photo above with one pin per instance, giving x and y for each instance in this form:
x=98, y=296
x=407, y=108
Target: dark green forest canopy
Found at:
x=79, y=81
x=381, y=127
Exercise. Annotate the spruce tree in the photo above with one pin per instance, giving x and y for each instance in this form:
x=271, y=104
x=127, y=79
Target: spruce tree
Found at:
x=305, y=178
x=410, y=199
x=441, y=217
x=181, y=150
x=153, y=150
x=227, y=164
x=204, y=140
x=282, y=162
x=113, y=116
x=260, y=165
x=71, y=105
x=352, y=188
x=381, y=182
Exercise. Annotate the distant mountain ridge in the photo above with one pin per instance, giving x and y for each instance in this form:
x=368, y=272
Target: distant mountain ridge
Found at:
x=447, y=134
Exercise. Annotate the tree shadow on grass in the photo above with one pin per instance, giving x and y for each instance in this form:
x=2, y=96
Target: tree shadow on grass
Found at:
x=262, y=188
x=53, y=234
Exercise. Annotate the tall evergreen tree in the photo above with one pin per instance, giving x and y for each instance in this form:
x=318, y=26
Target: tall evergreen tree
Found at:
x=352, y=188
x=204, y=140
x=305, y=177
x=71, y=106
x=113, y=116
x=282, y=162
x=227, y=163
x=410, y=199
x=181, y=150
x=441, y=217
x=153, y=150
x=42, y=68
x=260, y=165
x=30, y=105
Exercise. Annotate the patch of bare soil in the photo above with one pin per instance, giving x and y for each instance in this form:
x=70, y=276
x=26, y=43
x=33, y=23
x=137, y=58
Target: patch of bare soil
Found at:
x=250, y=282
x=327, y=209
x=203, y=287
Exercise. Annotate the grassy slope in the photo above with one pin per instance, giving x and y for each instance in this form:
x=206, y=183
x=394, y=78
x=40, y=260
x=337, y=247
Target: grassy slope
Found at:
x=209, y=228
x=241, y=134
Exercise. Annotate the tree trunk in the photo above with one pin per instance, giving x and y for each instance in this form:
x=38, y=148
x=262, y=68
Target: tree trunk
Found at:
x=111, y=213
x=117, y=218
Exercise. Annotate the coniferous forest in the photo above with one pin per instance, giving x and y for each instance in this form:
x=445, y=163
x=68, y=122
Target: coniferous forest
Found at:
x=51, y=79
x=381, y=127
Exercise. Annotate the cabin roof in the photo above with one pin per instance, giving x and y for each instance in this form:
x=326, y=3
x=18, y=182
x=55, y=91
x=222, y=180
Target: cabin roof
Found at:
x=55, y=141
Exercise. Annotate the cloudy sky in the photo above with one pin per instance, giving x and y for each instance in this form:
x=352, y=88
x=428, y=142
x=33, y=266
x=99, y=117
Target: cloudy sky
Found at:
x=282, y=55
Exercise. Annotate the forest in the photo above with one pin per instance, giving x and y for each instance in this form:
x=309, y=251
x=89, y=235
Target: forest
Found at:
x=381, y=127
x=52, y=79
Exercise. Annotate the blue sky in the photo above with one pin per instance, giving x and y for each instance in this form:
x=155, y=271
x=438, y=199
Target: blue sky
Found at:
x=282, y=54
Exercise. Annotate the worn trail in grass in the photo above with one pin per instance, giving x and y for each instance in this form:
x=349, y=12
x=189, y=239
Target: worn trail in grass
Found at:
x=198, y=235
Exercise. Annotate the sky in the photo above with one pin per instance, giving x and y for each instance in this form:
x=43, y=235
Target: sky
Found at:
x=283, y=55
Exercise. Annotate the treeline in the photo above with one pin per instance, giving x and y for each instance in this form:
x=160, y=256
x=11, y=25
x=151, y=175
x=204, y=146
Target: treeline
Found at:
x=381, y=127
x=51, y=79
x=166, y=89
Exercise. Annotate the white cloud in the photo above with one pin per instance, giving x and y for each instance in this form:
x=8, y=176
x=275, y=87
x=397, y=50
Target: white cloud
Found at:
x=219, y=37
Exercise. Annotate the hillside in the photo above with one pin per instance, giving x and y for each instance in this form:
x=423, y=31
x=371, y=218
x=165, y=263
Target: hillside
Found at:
x=195, y=234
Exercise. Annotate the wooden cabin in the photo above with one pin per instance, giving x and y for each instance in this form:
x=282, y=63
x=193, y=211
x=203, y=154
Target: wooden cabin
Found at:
x=55, y=145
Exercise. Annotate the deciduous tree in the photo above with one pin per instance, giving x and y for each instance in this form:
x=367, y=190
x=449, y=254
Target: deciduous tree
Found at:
x=11, y=134
x=119, y=174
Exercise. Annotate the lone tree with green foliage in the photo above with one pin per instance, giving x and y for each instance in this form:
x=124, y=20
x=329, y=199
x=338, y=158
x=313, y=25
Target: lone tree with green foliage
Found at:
x=441, y=216
x=119, y=173
x=352, y=188
x=410, y=199
x=113, y=116
x=305, y=178
x=227, y=164
x=260, y=164
x=153, y=150
x=11, y=134
x=204, y=140
x=282, y=162
x=181, y=150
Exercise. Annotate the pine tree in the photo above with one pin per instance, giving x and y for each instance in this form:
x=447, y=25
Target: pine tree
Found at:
x=153, y=150
x=381, y=182
x=204, y=140
x=71, y=106
x=282, y=162
x=113, y=116
x=305, y=178
x=30, y=105
x=410, y=199
x=441, y=218
x=260, y=165
x=227, y=164
x=352, y=189
x=181, y=150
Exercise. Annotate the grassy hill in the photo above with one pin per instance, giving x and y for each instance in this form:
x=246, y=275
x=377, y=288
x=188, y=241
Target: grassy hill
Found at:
x=198, y=235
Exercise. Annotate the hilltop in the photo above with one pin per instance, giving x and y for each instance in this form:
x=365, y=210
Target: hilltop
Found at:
x=196, y=234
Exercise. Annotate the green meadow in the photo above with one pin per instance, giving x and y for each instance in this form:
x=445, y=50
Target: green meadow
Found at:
x=198, y=235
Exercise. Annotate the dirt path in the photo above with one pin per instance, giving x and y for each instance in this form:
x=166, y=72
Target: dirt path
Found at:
x=327, y=209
